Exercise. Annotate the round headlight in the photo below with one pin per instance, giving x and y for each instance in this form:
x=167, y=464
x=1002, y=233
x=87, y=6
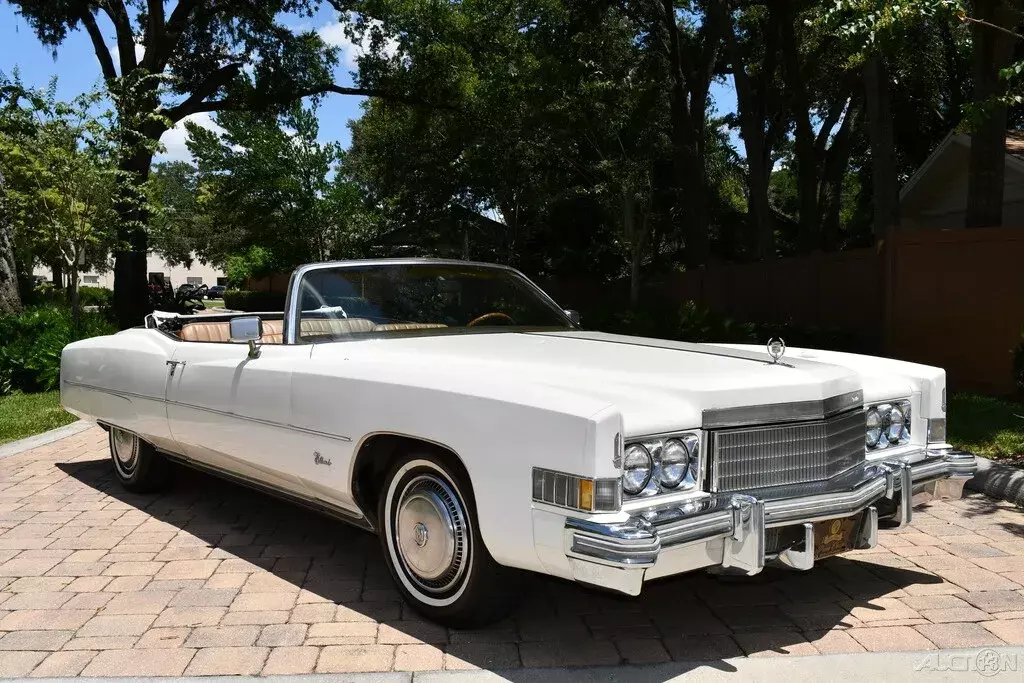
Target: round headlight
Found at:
x=895, y=430
x=675, y=461
x=636, y=469
x=874, y=425
x=693, y=447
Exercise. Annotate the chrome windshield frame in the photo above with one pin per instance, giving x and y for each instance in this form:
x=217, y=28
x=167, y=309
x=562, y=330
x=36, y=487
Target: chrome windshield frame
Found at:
x=292, y=299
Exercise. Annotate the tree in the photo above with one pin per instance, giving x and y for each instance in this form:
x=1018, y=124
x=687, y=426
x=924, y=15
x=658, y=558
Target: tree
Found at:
x=16, y=123
x=61, y=164
x=881, y=28
x=201, y=57
x=993, y=50
x=264, y=184
x=691, y=35
x=752, y=42
x=178, y=228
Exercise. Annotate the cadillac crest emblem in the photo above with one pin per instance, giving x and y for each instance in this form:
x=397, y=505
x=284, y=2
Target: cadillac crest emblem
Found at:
x=776, y=348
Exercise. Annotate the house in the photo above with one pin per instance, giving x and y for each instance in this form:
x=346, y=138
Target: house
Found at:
x=197, y=274
x=935, y=197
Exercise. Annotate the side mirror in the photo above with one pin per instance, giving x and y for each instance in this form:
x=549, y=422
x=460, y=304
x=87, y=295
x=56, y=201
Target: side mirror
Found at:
x=247, y=329
x=574, y=316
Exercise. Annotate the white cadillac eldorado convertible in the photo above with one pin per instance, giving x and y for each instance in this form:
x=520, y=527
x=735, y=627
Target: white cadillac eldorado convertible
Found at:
x=455, y=410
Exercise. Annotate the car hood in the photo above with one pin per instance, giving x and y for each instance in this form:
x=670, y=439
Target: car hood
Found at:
x=658, y=385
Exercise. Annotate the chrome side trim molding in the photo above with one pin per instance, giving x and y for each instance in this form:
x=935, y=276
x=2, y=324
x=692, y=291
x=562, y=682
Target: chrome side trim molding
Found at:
x=114, y=392
x=773, y=413
x=223, y=413
x=334, y=511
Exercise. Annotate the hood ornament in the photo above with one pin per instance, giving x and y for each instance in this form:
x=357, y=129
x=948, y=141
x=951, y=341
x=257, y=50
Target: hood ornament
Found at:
x=776, y=348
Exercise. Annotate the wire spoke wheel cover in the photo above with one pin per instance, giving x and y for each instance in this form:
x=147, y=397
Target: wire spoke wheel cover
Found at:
x=428, y=533
x=124, y=447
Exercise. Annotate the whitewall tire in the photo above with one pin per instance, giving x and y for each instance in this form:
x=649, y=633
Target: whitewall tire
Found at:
x=137, y=465
x=432, y=545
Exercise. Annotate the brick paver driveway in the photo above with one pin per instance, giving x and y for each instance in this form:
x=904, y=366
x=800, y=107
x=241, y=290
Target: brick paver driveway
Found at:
x=214, y=579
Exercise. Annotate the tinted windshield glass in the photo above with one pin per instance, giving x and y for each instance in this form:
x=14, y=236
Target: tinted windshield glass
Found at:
x=417, y=298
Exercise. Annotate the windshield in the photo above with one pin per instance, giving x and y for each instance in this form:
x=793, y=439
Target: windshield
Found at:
x=402, y=298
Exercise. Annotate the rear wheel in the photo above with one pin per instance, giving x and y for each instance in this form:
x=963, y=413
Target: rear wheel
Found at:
x=433, y=547
x=138, y=466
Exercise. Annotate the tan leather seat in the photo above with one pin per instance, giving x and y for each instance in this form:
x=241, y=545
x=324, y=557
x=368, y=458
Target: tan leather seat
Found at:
x=313, y=327
x=391, y=327
x=273, y=331
x=206, y=332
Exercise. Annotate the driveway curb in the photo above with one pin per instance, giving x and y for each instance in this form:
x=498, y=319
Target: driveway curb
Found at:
x=28, y=443
x=1002, y=663
x=998, y=481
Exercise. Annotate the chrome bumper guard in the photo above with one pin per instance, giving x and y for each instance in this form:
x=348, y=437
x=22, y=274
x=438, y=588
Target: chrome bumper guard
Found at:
x=727, y=532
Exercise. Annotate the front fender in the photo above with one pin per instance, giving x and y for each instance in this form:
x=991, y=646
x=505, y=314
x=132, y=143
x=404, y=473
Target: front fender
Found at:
x=499, y=431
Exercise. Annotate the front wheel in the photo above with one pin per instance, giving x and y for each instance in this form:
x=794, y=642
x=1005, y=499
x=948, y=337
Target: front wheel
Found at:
x=138, y=466
x=433, y=547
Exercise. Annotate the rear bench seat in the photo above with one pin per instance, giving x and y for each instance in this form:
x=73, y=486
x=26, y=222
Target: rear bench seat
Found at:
x=273, y=330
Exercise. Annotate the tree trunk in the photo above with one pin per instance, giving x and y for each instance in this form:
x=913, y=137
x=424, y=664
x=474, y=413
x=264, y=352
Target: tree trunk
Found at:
x=752, y=108
x=804, y=138
x=57, y=273
x=636, y=238
x=992, y=51
x=878, y=101
x=10, y=301
x=692, y=208
x=830, y=197
x=131, y=295
x=687, y=111
x=76, y=314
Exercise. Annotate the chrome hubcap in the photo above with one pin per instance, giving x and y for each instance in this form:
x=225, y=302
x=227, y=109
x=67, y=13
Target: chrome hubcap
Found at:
x=432, y=533
x=420, y=534
x=126, y=450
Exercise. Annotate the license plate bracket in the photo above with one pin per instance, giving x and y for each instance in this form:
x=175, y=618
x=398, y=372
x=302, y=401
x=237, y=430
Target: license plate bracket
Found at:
x=834, y=536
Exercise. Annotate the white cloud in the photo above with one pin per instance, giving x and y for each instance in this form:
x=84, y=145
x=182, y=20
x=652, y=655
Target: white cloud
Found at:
x=139, y=52
x=174, y=140
x=334, y=34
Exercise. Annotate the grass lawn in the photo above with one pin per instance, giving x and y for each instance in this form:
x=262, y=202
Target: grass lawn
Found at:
x=214, y=303
x=23, y=415
x=986, y=426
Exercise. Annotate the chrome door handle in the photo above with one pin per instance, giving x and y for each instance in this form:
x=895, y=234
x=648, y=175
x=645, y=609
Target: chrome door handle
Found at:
x=174, y=365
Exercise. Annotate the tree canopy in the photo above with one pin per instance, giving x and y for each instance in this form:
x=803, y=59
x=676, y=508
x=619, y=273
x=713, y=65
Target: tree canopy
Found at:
x=567, y=137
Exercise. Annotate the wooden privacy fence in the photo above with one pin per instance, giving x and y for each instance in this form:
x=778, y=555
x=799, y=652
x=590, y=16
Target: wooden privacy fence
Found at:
x=957, y=301
x=951, y=298
x=842, y=290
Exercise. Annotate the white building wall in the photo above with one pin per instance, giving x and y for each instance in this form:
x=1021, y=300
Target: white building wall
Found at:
x=204, y=274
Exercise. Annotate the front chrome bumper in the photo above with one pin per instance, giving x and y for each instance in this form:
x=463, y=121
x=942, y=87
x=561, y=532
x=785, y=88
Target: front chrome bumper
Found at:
x=727, y=532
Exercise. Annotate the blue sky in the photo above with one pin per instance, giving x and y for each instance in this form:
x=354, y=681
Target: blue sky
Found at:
x=77, y=71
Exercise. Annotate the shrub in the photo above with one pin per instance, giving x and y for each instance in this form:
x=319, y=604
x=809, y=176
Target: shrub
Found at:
x=246, y=300
x=43, y=293
x=31, y=343
x=692, y=323
x=257, y=262
x=95, y=296
x=689, y=323
x=814, y=337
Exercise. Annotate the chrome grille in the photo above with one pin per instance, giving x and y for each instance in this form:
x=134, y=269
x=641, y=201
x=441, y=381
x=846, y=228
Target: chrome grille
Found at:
x=759, y=457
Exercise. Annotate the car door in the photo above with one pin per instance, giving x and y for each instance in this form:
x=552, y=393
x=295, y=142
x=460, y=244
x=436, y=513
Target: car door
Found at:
x=233, y=412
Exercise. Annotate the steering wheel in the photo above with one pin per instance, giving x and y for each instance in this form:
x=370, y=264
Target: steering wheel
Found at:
x=490, y=316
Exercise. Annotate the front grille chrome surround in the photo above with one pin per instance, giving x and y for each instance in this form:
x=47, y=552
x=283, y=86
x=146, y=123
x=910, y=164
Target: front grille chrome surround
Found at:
x=759, y=457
